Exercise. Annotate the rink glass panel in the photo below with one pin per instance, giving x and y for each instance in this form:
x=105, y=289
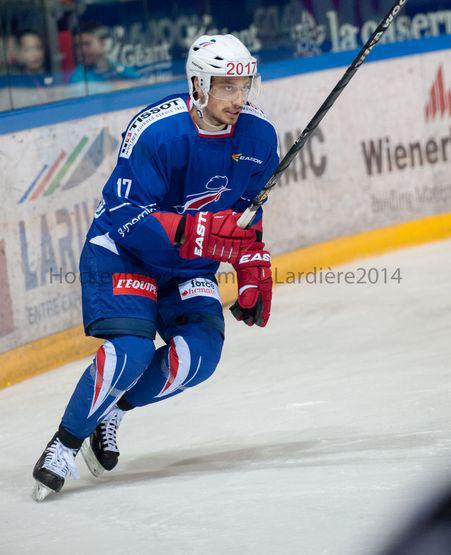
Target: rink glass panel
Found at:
x=31, y=69
x=90, y=47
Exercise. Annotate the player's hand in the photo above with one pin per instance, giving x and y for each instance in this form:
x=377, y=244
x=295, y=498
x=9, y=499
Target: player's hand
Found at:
x=215, y=236
x=254, y=286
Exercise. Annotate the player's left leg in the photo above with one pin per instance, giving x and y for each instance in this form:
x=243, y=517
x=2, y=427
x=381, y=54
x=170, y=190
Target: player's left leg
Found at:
x=190, y=357
x=192, y=324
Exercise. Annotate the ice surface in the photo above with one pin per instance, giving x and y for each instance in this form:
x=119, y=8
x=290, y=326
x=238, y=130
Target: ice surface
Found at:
x=315, y=435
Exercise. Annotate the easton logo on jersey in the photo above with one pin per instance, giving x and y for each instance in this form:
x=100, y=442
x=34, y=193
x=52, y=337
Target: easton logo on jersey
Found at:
x=214, y=190
x=237, y=157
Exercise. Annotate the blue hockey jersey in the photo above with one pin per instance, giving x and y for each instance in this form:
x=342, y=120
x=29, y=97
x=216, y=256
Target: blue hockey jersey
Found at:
x=166, y=163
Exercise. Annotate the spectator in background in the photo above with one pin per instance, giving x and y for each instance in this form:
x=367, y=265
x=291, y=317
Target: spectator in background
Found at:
x=31, y=55
x=30, y=77
x=94, y=67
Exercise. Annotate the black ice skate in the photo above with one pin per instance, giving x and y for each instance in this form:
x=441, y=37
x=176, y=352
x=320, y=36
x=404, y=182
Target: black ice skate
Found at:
x=54, y=465
x=100, y=450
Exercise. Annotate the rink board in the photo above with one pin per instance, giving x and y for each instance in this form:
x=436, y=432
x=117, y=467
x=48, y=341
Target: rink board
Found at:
x=71, y=344
x=381, y=158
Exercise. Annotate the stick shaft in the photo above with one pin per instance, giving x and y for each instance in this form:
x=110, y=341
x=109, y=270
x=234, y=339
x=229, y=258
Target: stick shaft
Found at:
x=248, y=216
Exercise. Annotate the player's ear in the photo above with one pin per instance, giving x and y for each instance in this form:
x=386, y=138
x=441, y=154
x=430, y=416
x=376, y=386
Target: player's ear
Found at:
x=198, y=94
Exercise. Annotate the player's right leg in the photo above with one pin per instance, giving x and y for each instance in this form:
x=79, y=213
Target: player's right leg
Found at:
x=119, y=304
x=118, y=364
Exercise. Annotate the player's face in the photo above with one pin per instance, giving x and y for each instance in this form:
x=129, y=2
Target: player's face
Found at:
x=227, y=97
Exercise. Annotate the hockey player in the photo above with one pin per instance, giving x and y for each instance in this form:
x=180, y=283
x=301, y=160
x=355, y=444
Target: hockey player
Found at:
x=187, y=167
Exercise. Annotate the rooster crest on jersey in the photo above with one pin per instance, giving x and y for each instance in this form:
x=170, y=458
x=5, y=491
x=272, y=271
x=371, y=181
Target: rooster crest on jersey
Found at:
x=214, y=190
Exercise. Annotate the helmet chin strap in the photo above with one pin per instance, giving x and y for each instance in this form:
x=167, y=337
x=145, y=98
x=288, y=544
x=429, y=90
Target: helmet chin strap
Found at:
x=200, y=112
x=203, y=117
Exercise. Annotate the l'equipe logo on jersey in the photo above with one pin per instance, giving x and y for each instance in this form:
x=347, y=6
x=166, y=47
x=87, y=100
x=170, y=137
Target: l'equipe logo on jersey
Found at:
x=146, y=118
x=199, y=287
x=135, y=284
x=237, y=157
x=439, y=99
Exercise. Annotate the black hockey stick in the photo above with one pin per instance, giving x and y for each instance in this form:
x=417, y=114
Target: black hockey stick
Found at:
x=249, y=214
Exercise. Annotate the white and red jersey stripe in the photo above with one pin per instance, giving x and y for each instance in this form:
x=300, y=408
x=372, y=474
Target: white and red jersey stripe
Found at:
x=179, y=363
x=105, y=368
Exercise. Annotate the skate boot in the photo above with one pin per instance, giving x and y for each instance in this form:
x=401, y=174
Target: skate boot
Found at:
x=100, y=450
x=54, y=465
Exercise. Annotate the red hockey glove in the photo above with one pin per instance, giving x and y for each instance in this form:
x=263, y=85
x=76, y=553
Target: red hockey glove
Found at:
x=216, y=236
x=254, y=287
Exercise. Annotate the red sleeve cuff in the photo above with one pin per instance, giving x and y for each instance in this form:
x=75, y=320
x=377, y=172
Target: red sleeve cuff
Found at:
x=170, y=223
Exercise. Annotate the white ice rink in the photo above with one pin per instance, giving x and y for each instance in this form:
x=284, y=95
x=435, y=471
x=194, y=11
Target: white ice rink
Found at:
x=315, y=435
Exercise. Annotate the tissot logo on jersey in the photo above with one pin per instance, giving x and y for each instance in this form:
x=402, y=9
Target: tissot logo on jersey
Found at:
x=237, y=157
x=134, y=284
x=199, y=287
x=146, y=118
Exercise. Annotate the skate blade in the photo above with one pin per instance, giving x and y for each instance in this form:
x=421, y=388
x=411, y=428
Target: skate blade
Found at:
x=95, y=468
x=40, y=492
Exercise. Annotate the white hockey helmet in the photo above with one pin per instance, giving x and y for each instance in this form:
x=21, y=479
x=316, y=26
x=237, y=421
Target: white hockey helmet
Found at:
x=219, y=55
